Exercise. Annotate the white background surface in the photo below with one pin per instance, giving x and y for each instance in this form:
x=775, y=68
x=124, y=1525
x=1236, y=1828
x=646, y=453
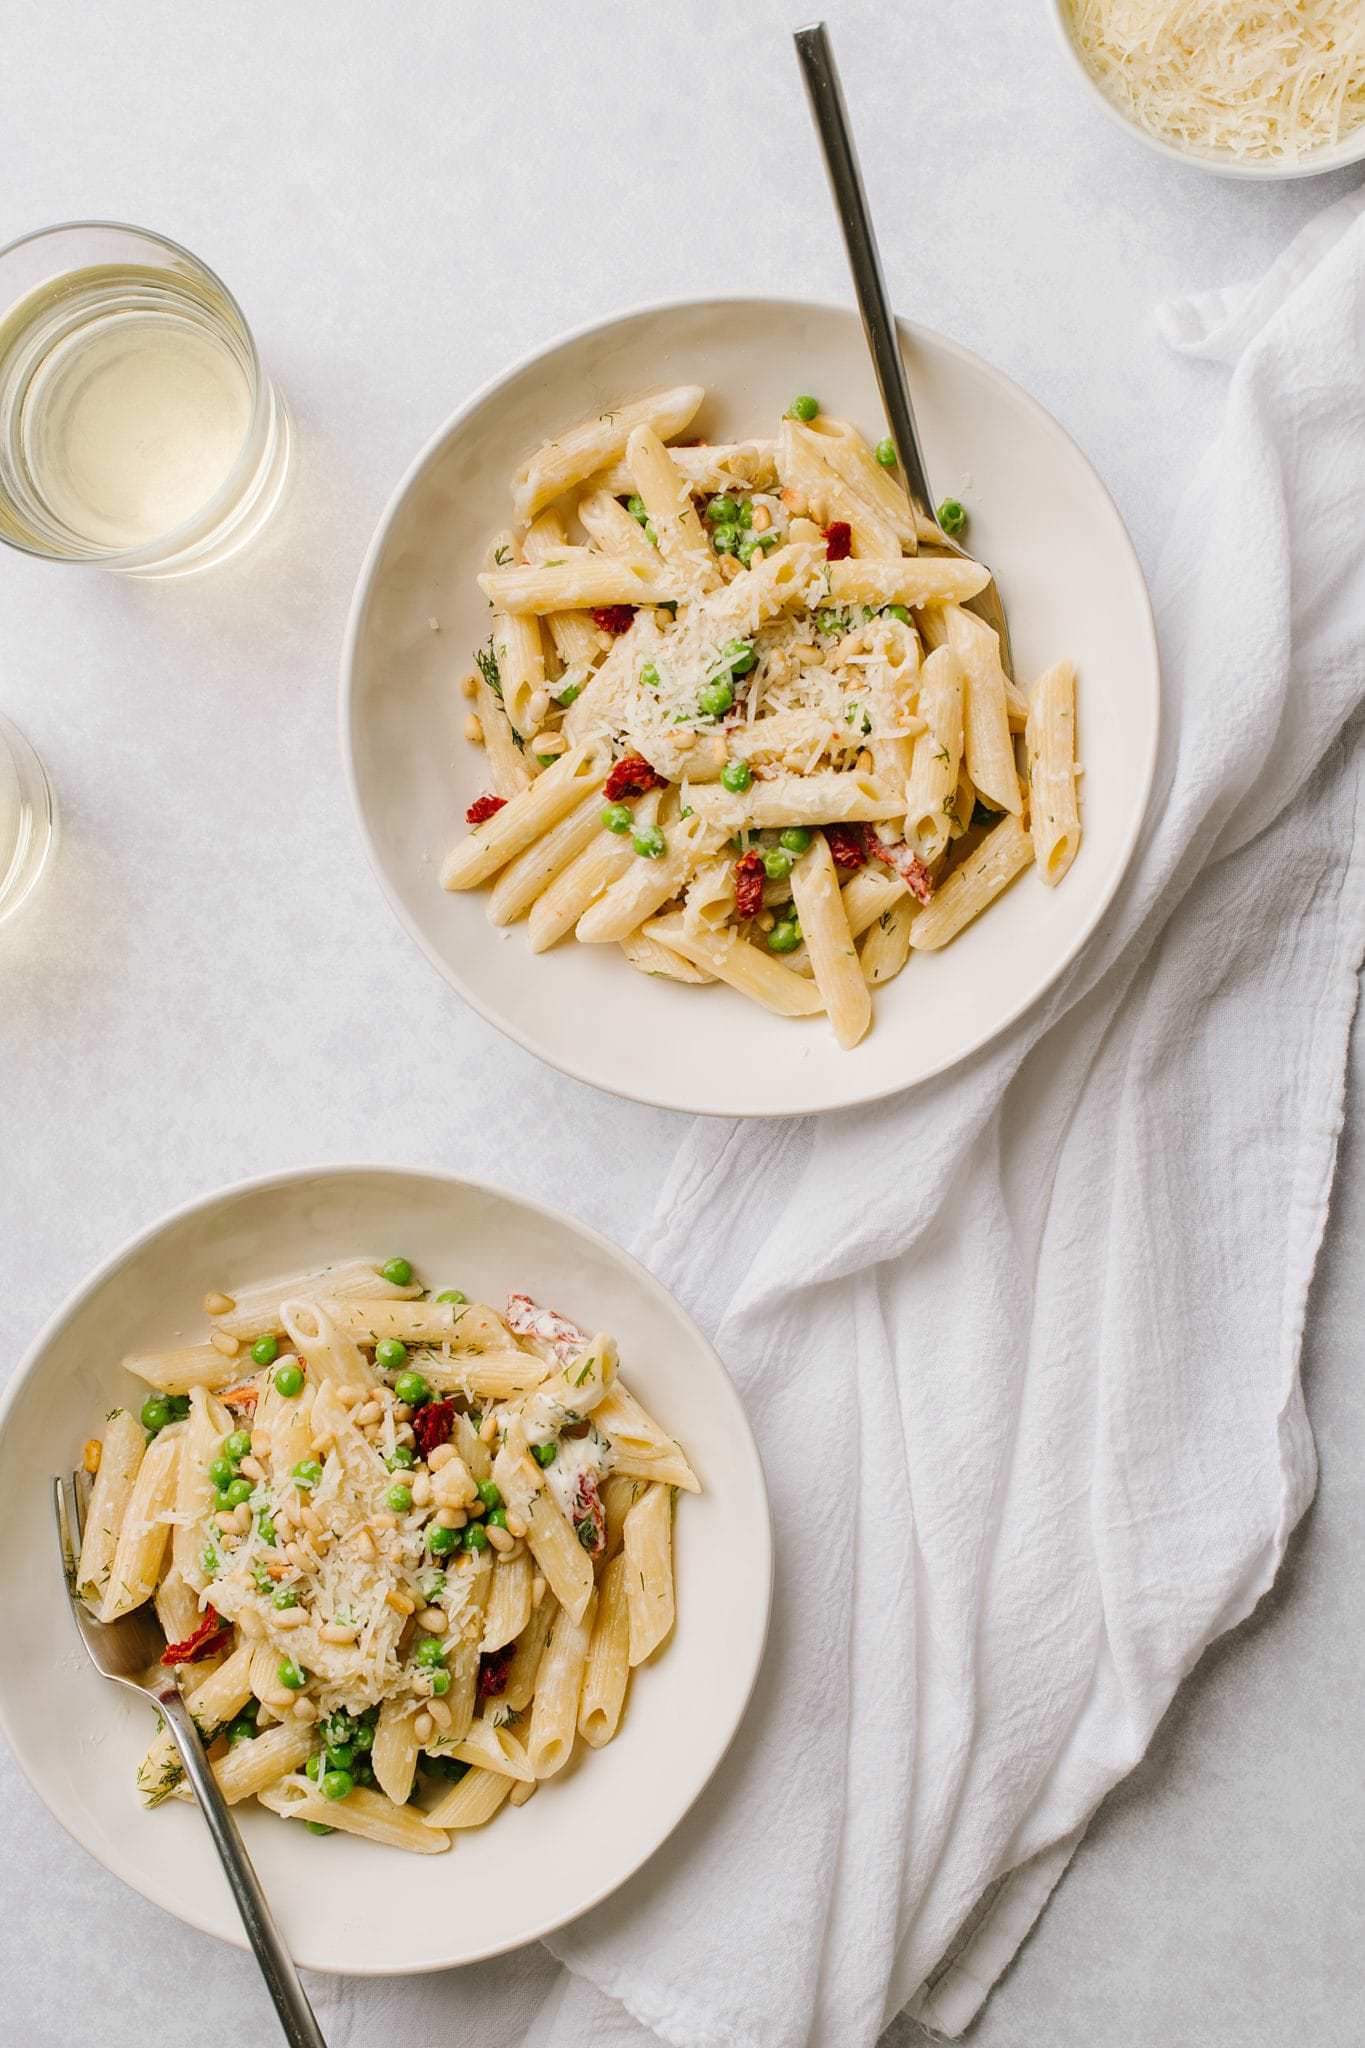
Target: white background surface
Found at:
x=210, y=986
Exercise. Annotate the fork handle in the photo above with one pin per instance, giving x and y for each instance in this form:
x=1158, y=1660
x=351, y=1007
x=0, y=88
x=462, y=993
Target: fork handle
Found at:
x=301, y=2029
x=830, y=115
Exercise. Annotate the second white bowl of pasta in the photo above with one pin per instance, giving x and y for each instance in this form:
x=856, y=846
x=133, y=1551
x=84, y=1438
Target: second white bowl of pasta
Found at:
x=415, y=1552
x=677, y=745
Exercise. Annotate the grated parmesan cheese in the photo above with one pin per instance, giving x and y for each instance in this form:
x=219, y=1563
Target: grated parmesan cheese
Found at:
x=1248, y=79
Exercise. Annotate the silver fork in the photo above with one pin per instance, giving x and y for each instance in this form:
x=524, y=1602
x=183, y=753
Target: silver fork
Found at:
x=126, y=1650
x=830, y=115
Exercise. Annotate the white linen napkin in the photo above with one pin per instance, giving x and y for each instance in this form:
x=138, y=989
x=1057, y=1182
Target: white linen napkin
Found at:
x=1021, y=1348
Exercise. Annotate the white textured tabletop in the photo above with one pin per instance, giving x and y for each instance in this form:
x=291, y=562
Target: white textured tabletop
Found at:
x=210, y=985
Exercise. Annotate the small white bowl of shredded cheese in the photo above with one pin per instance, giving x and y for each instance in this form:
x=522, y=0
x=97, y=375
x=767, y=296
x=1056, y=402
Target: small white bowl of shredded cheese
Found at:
x=1246, y=88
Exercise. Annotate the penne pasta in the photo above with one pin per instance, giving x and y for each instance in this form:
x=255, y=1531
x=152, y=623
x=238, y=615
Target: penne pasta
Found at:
x=393, y=1754
x=579, y=581
x=731, y=959
x=145, y=1529
x=730, y=464
x=651, y=956
x=886, y=947
x=672, y=514
x=527, y=877
x=121, y=1454
x=988, y=748
x=513, y=828
x=364, y=1813
x=612, y=529
x=576, y=639
x=646, y=884
x=471, y=1803
x=489, y=1746
x=596, y=443
x=587, y=877
x=833, y=955
x=988, y=869
x=608, y=1663
x=915, y=580
x=509, y=1603
x=937, y=757
x=524, y=1669
x=256, y=1310
x=1050, y=738
x=250, y=1768
x=824, y=797
x=647, y=1551
x=554, y=1709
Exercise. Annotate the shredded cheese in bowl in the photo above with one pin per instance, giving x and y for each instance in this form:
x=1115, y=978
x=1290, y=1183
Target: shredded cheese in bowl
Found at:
x=1251, y=82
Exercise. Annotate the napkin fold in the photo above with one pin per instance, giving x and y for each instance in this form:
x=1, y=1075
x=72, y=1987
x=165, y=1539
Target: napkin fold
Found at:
x=1021, y=1348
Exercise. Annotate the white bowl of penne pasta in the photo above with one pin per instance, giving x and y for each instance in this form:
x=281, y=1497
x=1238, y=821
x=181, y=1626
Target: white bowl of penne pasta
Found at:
x=431, y=1564
x=677, y=745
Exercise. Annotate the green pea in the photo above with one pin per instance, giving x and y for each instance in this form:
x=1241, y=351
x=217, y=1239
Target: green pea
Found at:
x=313, y=1767
x=453, y=1294
x=785, y=937
x=412, y=1388
x=266, y=1528
x=568, y=695
x=777, y=864
x=179, y=1405
x=739, y=656
x=397, y=1271
x=795, y=839
x=545, y=1454
x=650, y=844
x=318, y=1827
x=431, y=1583
x=715, y=700
x=220, y=1472
x=289, y=1381
x=636, y=507
x=209, y=1560
x=336, y=1784
x=736, y=775
x=746, y=513
x=291, y=1675
x=747, y=549
x=725, y=539
x=363, y=1738
x=440, y=1683
x=496, y=1518
x=284, y=1596
x=952, y=516
x=402, y=1458
x=722, y=510
x=266, y=1349
x=156, y=1413
x=238, y=1492
x=340, y=1756
x=440, y=1542
x=237, y=1446
x=898, y=611
x=547, y=760
x=649, y=676
x=307, y=1473
x=886, y=452
x=431, y=1652
x=391, y=1353
x=490, y=1494
x=651, y=533
x=476, y=1537
x=399, y=1499
x=803, y=408
x=241, y=1730
x=618, y=817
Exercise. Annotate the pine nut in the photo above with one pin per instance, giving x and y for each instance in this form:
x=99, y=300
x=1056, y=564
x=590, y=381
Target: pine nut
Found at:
x=337, y=1632
x=384, y=1521
x=265, y=1714
x=304, y=1710
x=401, y=1603
x=423, y=1727
x=421, y=1491
x=440, y=1714
x=442, y=1455
x=469, y=685
x=402, y=1411
x=538, y=707
x=499, y=1538
x=537, y=1590
x=404, y=1432
x=794, y=500
x=294, y=1556
x=451, y=1518
x=729, y=567
x=216, y=1304
x=864, y=762
x=311, y=1519
x=251, y=1468
x=663, y=620
x=683, y=738
x=762, y=519
x=548, y=743
x=473, y=728
x=364, y=1544
x=221, y=1341
x=250, y=1623
x=524, y=1789
x=282, y=1702
x=291, y=1617
x=260, y=1443
x=515, y=1549
x=371, y=1412
x=515, y=1525
x=434, y=1620
x=90, y=1456
x=765, y=920
x=226, y=1520
x=488, y=1428
x=348, y=1396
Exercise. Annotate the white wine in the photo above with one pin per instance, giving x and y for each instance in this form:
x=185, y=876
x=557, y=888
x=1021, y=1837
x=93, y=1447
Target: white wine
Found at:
x=137, y=429
x=133, y=421
x=27, y=818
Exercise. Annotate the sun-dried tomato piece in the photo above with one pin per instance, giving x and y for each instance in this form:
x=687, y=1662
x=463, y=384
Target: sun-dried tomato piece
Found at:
x=848, y=846
x=483, y=808
x=614, y=618
x=749, y=884
x=211, y=1633
x=907, y=865
x=631, y=777
x=838, y=540
x=240, y=1397
x=493, y=1670
x=589, y=1516
x=526, y=1318
x=433, y=1424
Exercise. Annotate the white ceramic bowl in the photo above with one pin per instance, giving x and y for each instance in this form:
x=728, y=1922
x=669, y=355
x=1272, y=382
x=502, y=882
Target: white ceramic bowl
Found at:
x=1072, y=586
x=346, y=1905
x=1339, y=157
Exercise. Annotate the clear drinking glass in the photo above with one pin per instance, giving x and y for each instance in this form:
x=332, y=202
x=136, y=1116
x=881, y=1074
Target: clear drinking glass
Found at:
x=138, y=430
x=28, y=819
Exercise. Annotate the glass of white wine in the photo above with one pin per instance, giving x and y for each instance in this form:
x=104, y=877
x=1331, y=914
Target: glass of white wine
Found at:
x=28, y=819
x=138, y=431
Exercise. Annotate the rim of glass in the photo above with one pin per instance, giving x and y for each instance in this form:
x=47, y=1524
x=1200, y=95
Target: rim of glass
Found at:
x=158, y=551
